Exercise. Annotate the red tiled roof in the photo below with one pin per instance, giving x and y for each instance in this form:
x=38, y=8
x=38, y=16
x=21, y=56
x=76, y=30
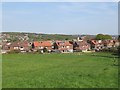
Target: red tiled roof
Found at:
x=67, y=43
x=24, y=44
x=43, y=43
x=83, y=45
x=16, y=44
x=36, y=44
x=63, y=43
x=95, y=42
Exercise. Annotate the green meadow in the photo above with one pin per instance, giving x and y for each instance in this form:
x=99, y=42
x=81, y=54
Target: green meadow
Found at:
x=75, y=70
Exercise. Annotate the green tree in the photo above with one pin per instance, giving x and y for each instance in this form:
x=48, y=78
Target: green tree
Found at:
x=103, y=37
x=66, y=38
x=107, y=37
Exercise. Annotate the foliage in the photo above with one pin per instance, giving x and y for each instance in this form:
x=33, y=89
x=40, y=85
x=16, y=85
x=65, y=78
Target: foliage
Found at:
x=38, y=52
x=93, y=70
x=33, y=36
x=66, y=39
x=33, y=46
x=113, y=50
x=88, y=37
x=103, y=37
x=14, y=51
x=45, y=49
x=119, y=38
x=119, y=50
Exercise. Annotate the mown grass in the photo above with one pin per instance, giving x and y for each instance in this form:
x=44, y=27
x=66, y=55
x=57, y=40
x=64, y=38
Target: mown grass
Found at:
x=96, y=70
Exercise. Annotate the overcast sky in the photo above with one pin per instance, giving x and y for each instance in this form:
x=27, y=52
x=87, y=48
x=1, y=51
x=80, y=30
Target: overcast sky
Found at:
x=61, y=17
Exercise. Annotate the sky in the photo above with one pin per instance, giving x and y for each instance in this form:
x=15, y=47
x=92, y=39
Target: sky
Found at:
x=60, y=17
x=59, y=0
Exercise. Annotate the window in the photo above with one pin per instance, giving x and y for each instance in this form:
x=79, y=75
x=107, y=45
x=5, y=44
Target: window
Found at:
x=41, y=47
x=15, y=47
x=68, y=46
x=52, y=46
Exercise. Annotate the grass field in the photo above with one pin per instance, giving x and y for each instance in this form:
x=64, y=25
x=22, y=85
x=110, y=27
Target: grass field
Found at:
x=96, y=70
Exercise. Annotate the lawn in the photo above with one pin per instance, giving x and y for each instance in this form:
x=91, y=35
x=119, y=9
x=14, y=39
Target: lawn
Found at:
x=93, y=70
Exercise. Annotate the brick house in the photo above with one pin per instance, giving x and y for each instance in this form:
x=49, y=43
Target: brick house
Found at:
x=97, y=45
x=5, y=47
x=22, y=46
x=40, y=45
x=81, y=46
x=63, y=46
x=111, y=43
x=116, y=43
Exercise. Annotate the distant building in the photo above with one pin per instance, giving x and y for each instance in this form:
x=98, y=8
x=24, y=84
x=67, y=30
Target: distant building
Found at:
x=40, y=45
x=97, y=45
x=22, y=46
x=81, y=46
x=63, y=46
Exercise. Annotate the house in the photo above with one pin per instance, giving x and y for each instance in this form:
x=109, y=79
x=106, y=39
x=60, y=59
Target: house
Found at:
x=81, y=46
x=0, y=45
x=63, y=46
x=97, y=45
x=109, y=43
x=14, y=46
x=116, y=43
x=5, y=47
x=40, y=45
x=22, y=46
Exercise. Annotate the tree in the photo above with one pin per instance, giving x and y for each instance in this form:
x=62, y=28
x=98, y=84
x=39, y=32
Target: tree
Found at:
x=119, y=38
x=107, y=37
x=103, y=37
x=66, y=38
x=45, y=49
x=33, y=46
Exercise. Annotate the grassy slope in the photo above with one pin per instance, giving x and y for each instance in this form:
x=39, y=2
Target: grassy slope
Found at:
x=32, y=36
x=59, y=70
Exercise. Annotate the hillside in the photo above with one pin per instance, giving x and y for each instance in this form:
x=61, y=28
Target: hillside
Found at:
x=15, y=36
x=19, y=36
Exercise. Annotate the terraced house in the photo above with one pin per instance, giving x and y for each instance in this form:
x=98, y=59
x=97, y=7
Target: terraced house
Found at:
x=59, y=46
x=81, y=46
x=21, y=46
x=41, y=45
x=63, y=46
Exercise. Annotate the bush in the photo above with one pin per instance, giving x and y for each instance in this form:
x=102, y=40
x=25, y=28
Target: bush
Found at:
x=14, y=51
x=119, y=50
x=113, y=49
x=45, y=50
x=38, y=52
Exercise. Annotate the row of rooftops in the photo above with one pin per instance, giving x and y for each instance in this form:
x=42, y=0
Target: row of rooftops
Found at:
x=59, y=43
x=36, y=43
x=103, y=41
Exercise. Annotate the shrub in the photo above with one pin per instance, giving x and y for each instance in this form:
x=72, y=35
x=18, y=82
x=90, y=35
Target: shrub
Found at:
x=45, y=50
x=113, y=49
x=14, y=51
